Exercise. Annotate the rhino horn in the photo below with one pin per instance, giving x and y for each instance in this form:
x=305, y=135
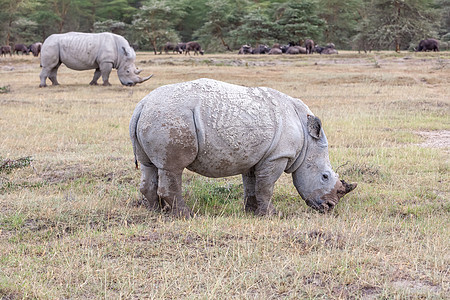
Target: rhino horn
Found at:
x=345, y=188
x=137, y=72
x=141, y=80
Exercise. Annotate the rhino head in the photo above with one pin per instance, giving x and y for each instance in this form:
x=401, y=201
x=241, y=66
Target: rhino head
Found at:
x=127, y=71
x=314, y=179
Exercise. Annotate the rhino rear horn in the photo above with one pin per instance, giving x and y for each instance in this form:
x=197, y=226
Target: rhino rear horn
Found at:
x=137, y=72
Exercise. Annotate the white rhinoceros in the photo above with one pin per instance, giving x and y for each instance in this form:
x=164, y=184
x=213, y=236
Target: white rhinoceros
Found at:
x=85, y=51
x=218, y=129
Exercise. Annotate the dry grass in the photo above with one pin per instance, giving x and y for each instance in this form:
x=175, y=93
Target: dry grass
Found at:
x=71, y=225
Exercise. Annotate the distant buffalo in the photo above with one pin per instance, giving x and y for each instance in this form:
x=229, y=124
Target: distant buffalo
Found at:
x=21, y=48
x=5, y=50
x=318, y=49
x=309, y=45
x=329, y=51
x=35, y=48
x=194, y=46
x=171, y=47
x=428, y=45
x=330, y=48
x=284, y=48
x=261, y=49
x=296, y=50
x=180, y=47
x=245, y=49
x=275, y=51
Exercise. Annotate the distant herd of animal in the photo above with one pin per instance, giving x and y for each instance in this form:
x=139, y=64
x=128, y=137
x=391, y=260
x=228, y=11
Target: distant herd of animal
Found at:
x=291, y=48
x=23, y=49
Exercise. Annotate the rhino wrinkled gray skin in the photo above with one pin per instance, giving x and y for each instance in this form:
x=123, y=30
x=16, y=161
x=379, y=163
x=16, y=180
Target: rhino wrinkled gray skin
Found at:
x=218, y=129
x=85, y=51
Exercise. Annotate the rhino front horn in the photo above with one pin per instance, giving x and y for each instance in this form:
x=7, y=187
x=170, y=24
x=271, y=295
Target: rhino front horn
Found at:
x=349, y=186
x=145, y=79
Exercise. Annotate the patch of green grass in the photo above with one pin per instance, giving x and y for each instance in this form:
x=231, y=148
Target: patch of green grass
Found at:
x=214, y=196
x=7, y=165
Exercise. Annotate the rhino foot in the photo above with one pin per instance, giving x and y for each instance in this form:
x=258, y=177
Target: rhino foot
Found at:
x=93, y=83
x=151, y=205
x=181, y=212
x=250, y=204
x=266, y=210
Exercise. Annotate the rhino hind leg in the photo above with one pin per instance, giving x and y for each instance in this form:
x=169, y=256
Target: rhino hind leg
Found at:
x=97, y=75
x=149, y=187
x=250, y=203
x=49, y=73
x=169, y=190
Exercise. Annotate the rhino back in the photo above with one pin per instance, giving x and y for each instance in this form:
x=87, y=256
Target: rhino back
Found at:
x=83, y=51
x=235, y=127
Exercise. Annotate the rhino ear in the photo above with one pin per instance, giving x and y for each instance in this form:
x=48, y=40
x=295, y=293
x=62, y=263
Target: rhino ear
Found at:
x=314, y=126
x=125, y=51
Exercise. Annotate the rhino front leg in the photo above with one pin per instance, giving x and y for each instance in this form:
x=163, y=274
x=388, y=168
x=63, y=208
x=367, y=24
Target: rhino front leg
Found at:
x=105, y=69
x=169, y=190
x=149, y=187
x=265, y=177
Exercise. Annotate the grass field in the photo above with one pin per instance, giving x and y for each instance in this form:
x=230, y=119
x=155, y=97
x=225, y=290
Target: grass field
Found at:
x=72, y=226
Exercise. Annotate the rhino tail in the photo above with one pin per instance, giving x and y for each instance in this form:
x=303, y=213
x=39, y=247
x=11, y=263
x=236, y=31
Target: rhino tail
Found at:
x=133, y=131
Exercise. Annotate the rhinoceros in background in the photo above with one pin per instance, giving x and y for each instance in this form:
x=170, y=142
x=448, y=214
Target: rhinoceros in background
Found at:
x=218, y=129
x=85, y=51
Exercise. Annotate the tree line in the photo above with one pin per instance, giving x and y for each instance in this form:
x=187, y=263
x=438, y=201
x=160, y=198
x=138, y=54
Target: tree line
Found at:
x=221, y=25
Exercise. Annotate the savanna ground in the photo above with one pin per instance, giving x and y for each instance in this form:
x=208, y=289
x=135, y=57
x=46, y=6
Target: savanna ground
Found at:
x=72, y=226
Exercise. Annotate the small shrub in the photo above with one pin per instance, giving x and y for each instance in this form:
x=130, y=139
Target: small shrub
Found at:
x=5, y=89
x=7, y=165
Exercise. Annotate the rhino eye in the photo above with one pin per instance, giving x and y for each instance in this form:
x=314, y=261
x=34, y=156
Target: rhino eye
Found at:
x=324, y=177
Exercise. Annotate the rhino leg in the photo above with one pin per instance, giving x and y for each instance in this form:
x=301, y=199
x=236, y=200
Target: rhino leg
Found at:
x=169, y=190
x=105, y=69
x=266, y=174
x=258, y=190
x=149, y=187
x=97, y=75
x=250, y=202
x=52, y=75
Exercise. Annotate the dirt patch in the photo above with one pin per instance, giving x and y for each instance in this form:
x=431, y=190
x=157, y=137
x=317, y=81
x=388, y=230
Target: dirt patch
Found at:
x=416, y=287
x=435, y=139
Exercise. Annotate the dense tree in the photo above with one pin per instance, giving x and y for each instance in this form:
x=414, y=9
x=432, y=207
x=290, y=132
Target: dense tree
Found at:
x=297, y=21
x=154, y=23
x=11, y=11
x=221, y=19
x=341, y=20
x=256, y=29
x=226, y=24
x=400, y=22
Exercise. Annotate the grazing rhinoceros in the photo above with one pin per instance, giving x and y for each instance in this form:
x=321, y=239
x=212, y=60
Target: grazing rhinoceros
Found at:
x=218, y=129
x=85, y=51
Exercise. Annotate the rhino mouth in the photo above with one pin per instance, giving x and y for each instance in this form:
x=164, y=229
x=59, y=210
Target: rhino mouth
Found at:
x=328, y=201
